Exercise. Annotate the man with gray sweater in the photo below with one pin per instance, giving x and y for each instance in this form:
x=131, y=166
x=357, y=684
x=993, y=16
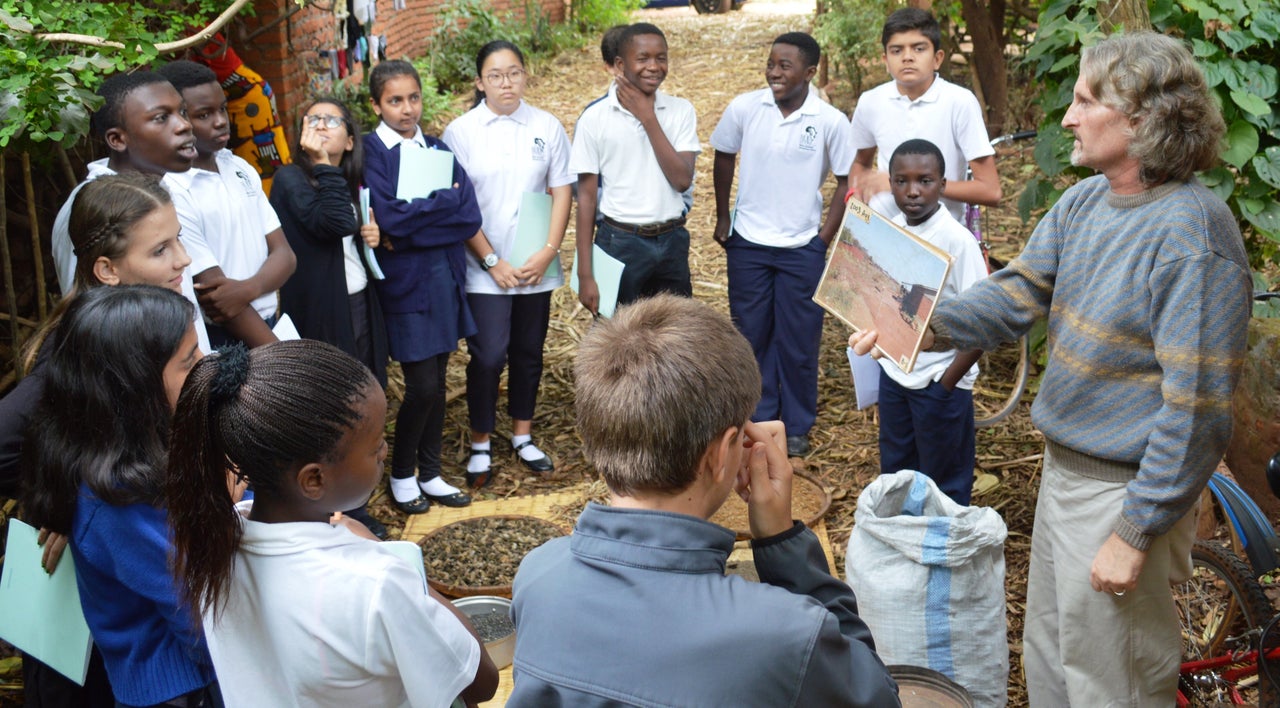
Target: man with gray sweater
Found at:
x=1142, y=273
x=635, y=608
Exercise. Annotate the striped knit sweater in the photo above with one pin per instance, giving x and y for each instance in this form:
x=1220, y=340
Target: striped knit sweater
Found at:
x=1147, y=297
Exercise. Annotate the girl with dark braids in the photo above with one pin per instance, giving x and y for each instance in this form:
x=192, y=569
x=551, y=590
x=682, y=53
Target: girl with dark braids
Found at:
x=99, y=438
x=301, y=611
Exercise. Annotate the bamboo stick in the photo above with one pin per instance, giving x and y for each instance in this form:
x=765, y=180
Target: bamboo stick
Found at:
x=37, y=253
x=10, y=294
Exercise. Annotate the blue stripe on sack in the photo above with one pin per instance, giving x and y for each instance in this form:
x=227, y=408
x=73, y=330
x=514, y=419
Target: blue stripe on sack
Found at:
x=937, y=608
x=913, y=505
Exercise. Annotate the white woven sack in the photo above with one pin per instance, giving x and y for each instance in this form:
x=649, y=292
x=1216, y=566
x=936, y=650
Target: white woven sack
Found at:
x=929, y=578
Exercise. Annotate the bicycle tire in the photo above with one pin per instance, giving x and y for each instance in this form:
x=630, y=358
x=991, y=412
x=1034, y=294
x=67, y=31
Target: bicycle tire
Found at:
x=1002, y=379
x=1221, y=601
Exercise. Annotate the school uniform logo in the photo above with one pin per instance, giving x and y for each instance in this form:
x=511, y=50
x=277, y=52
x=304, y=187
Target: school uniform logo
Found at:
x=809, y=140
x=249, y=191
x=539, y=149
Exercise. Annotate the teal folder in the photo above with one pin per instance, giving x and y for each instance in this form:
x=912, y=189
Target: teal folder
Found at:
x=41, y=612
x=532, y=230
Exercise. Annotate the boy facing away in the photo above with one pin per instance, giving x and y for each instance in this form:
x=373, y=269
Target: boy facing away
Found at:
x=775, y=249
x=641, y=144
x=925, y=424
x=918, y=103
x=634, y=607
x=239, y=254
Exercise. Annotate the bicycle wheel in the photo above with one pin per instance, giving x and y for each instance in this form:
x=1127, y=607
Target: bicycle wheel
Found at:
x=1002, y=378
x=706, y=7
x=1217, y=608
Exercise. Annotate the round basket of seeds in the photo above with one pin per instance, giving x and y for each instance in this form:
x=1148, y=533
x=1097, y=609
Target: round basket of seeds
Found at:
x=810, y=501
x=480, y=556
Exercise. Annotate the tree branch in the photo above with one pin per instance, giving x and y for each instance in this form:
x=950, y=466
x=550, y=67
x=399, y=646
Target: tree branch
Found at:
x=165, y=47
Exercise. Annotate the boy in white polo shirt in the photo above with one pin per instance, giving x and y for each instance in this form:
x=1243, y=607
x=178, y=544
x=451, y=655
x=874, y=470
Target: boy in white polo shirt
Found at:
x=239, y=254
x=789, y=139
x=641, y=143
x=918, y=103
x=924, y=424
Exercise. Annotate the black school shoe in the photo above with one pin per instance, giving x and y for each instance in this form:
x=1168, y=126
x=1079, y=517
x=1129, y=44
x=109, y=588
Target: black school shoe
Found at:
x=797, y=445
x=540, y=465
x=377, y=528
x=420, y=505
x=476, y=480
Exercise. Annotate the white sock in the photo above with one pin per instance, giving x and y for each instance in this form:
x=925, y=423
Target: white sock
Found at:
x=528, y=452
x=437, y=487
x=479, y=463
x=404, y=490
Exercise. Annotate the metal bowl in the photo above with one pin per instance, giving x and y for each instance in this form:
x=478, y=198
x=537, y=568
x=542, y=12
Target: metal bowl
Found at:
x=502, y=649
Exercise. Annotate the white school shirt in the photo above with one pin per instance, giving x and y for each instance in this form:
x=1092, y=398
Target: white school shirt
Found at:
x=610, y=142
x=317, y=616
x=947, y=115
x=784, y=162
x=64, y=254
x=391, y=138
x=967, y=267
x=506, y=156
x=230, y=222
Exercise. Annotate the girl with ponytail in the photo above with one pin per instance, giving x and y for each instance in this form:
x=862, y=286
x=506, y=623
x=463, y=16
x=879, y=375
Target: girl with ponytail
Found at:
x=299, y=610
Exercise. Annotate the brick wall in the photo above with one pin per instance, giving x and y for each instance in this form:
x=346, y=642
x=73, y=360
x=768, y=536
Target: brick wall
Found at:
x=287, y=52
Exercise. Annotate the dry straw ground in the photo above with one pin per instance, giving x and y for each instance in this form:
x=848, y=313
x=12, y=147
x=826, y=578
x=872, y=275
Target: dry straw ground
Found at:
x=713, y=59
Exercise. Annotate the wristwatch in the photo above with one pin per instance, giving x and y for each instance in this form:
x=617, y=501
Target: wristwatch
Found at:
x=489, y=261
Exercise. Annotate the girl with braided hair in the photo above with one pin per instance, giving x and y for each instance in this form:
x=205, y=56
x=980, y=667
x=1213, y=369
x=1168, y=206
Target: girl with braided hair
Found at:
x=302, y=611
x=98, y=447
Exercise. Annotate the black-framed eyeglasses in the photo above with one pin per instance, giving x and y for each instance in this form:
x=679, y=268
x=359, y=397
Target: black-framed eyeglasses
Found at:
x=331, y=122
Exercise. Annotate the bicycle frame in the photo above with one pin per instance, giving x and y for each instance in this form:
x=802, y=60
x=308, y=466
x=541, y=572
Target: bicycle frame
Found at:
x=1243, y=665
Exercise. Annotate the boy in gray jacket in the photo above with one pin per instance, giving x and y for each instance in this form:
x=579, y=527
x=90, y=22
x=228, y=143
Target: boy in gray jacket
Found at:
x=635, y=608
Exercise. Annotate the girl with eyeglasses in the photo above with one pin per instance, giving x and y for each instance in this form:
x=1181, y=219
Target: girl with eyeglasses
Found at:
x=317, y=199
x=509, y=148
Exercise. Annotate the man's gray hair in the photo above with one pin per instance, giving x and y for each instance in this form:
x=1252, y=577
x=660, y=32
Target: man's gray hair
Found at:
x=1153, y=79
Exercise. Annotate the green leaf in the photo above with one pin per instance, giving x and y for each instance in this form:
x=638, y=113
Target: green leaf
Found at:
x=1066, y=61
x=1267, y=165
x=1267, y=219
x=1034, y=195
x=1250, y=103
x=1252, y=206
x=1216, y=72
x=1236, y=41
x=1203, y=49
x=1242, y=144
x=1220, y=180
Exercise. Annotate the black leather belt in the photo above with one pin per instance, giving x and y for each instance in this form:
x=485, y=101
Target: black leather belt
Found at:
x=661, y=227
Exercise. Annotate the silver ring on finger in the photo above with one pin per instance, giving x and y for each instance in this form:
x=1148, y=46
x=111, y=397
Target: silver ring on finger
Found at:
x=1118, y=593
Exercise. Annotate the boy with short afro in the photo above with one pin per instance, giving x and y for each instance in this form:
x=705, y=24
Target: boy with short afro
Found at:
x=926, y=423
x=239, y=254
x=635, y=607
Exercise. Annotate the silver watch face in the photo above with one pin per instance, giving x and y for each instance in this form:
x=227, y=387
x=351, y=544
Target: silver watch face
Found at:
x=491, y=260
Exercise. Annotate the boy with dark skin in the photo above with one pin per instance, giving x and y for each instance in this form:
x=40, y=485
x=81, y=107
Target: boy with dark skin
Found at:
x=227, y=301
x=788, y=139
x=926, y=416
x=144, y=124
x=653, y=211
